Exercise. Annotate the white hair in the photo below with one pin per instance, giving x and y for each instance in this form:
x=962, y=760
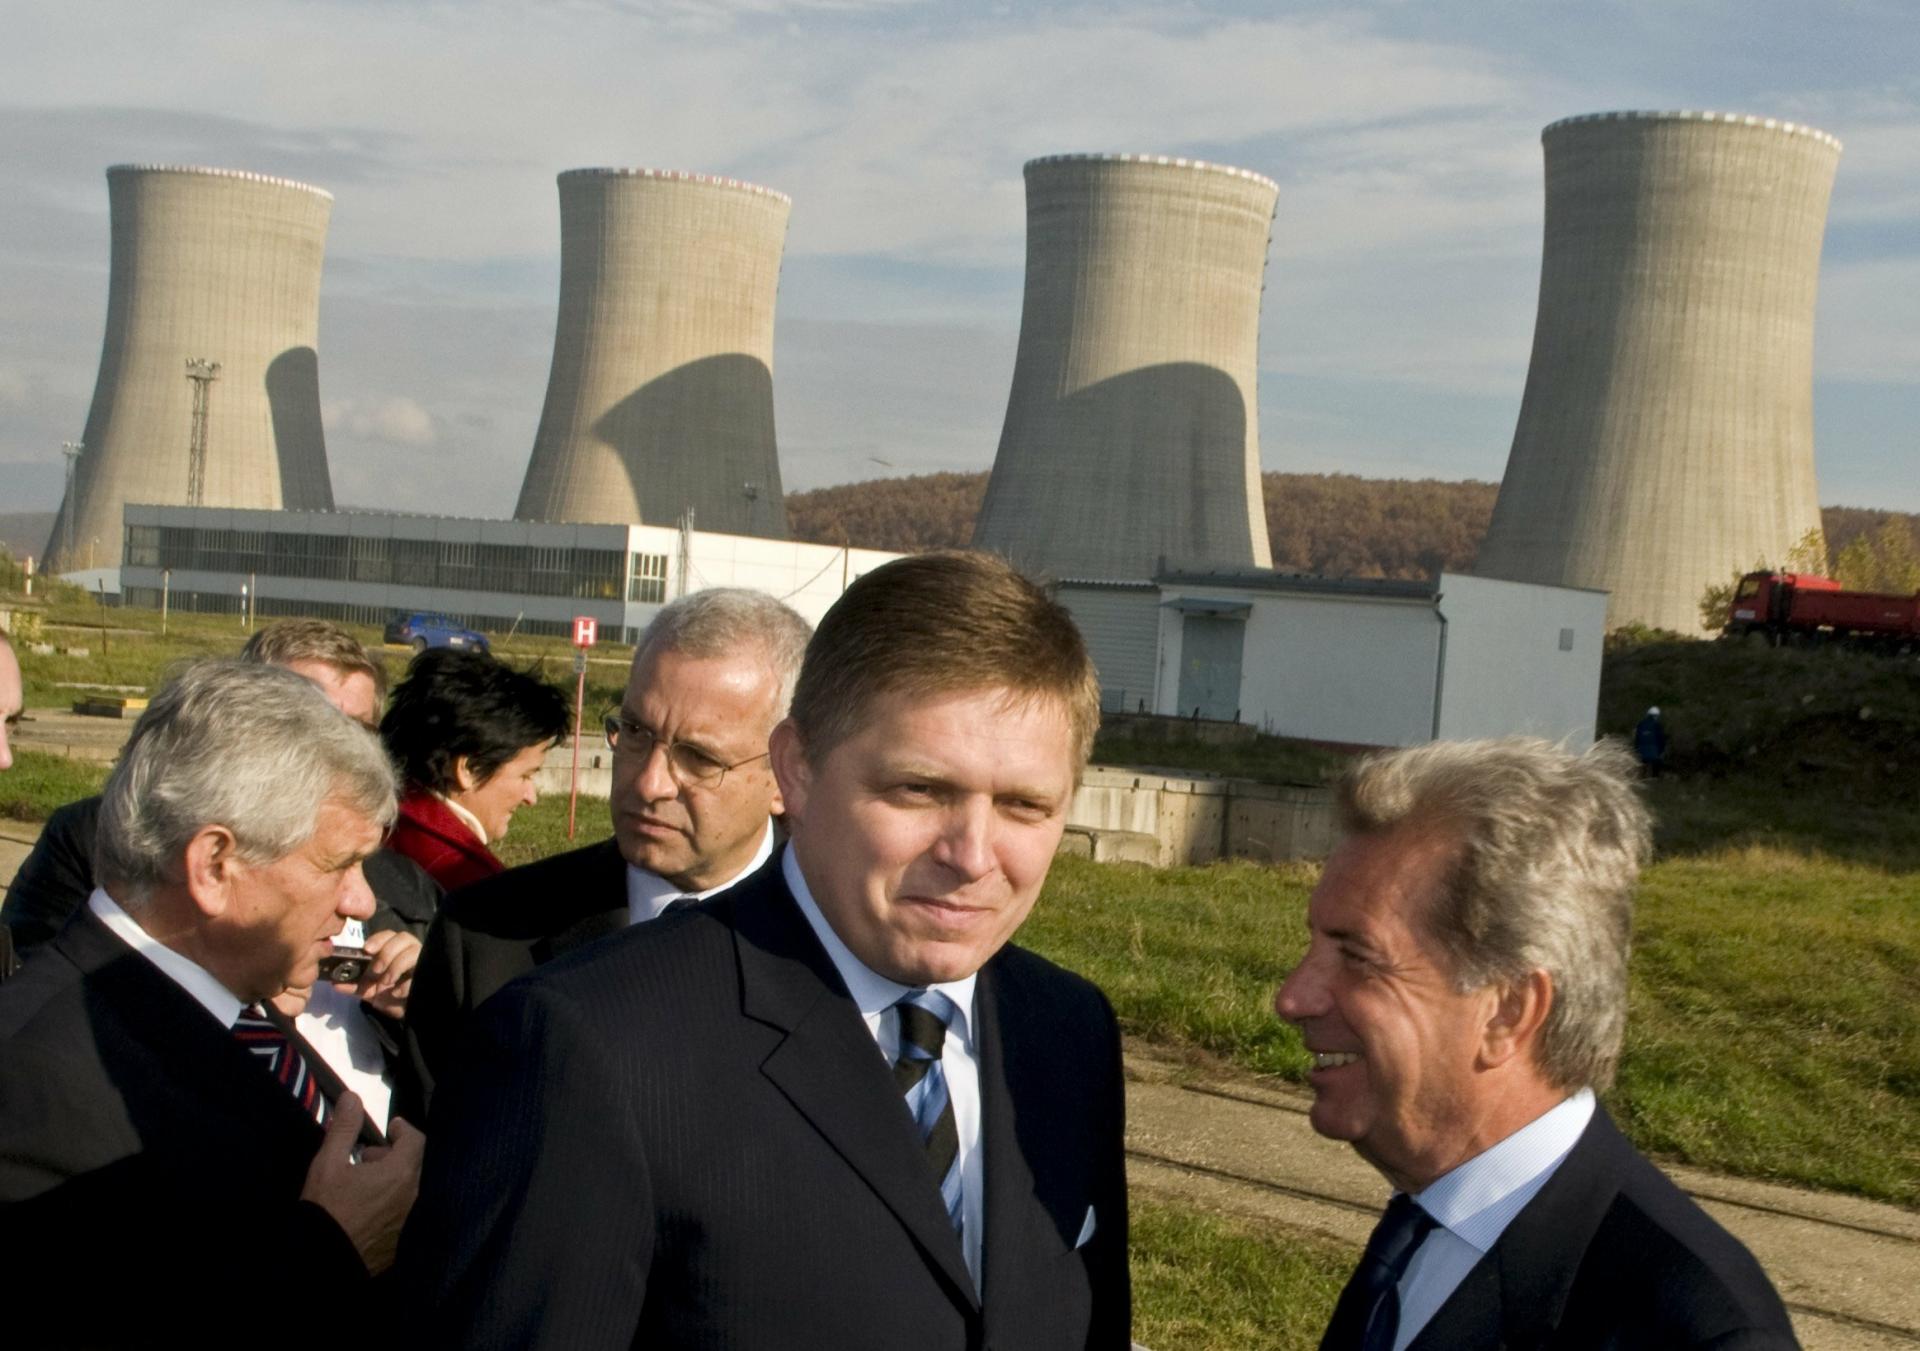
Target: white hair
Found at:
x=727, y=621
x=1551, y=846
x=251, y=747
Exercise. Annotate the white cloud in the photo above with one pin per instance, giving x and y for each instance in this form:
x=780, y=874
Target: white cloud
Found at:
x=392, y=420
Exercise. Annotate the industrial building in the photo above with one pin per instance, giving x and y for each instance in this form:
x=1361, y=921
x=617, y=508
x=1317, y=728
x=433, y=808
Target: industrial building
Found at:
x=1665, y=439
x=660, y=400
x=1351, y=661
x=209, y=387
x=1132, y=438
x=533, y=577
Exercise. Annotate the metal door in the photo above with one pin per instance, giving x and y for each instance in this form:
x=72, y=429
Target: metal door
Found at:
x=1210, y=648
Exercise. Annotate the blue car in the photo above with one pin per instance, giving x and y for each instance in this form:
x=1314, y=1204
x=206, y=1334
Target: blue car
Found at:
x=423, y=629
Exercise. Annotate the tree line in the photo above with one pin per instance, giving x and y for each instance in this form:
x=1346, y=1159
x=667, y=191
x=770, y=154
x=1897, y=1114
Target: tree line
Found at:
x=1337, y=525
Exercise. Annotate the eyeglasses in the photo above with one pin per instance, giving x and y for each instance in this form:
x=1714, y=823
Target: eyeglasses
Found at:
x=690, y=766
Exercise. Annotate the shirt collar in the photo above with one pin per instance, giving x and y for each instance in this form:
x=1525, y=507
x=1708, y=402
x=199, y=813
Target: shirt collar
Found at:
x=871, y=991
x=649, y=894
x=466, y=818
x=188, y=974
x=1479, y=1198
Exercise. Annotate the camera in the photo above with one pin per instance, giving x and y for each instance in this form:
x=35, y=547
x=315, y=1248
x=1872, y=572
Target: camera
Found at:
x=345, y=966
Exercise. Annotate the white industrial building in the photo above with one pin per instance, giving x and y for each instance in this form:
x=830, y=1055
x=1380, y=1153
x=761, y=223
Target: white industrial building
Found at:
x=1352, y=661
x=363, y=566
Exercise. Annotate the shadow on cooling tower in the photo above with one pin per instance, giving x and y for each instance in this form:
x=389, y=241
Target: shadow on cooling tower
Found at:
x=696, y=437
x=293, y=402
x=1105, y=482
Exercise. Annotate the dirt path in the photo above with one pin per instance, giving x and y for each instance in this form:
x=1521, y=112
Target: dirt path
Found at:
x=1849, y=1269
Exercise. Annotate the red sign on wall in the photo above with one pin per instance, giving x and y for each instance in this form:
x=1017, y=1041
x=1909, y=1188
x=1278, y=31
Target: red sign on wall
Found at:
x=585, y=631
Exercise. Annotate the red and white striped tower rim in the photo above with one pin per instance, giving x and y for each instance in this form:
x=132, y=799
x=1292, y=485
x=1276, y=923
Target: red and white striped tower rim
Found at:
x=1165, y=161
x=202, y=171
x=680, y=176
x=1696, y=115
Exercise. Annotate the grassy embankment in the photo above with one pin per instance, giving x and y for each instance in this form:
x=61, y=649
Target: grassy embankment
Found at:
x=1775, y=1024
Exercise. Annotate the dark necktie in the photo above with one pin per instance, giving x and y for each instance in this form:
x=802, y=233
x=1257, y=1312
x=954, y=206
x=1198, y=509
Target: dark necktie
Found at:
x=270, y=1044
x=920, y=1079
x=1367, y=1317
x=677, y=903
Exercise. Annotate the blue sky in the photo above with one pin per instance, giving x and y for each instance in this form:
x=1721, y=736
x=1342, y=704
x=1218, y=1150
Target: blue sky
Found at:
x=1400, y=287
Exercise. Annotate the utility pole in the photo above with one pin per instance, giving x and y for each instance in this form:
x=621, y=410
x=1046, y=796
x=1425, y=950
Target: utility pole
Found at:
x=202, y=373
x=70, y=449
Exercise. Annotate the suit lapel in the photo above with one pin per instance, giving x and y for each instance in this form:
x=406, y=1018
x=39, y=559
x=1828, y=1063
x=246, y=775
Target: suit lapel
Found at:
x=829, y=1068
x=1514, y=1296
x=600, y=896
x=162, y=1022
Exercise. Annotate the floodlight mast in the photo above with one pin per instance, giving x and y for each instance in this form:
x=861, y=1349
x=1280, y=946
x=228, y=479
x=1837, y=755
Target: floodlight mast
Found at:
x=202, y=373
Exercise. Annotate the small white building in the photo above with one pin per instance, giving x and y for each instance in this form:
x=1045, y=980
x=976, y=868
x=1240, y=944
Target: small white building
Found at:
x=364, y=566
x=1353, y=661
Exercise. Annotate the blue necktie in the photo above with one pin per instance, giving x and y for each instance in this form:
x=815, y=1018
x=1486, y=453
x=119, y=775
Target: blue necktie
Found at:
x=1368, y=1314
x=924, y=1015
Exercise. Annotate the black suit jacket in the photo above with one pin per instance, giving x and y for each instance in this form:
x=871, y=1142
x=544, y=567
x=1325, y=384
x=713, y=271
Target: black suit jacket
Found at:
x=492, y=931
x=150, y=1170
x=686, y=1136
x=1610, y=1254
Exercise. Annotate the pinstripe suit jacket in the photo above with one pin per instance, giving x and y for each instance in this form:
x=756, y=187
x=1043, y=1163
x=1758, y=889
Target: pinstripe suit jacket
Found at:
x=685, y=1136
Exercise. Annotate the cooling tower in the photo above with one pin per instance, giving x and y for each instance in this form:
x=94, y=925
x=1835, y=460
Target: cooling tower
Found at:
x=1132, y=431
x=210, y=265
x=1666, y=435
x=661, y=395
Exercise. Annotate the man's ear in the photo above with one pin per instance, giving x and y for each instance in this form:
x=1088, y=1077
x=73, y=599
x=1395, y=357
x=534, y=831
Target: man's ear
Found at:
x=1519, y=1012
x=212, y=859
x=792, y=775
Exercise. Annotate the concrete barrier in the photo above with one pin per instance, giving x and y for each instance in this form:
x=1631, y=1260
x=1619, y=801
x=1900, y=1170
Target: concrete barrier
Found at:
x=1201, y=819
x=1118, y=815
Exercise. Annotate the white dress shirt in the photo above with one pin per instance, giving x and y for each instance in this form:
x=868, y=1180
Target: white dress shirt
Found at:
x=332, y=1023
x=649, y=894
x=188, y=974
x=875, y=996
x=1475, y=1202
x=336, y=1027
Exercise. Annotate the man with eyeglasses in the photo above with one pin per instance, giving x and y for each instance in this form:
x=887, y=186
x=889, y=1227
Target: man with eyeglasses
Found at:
x=693, y=800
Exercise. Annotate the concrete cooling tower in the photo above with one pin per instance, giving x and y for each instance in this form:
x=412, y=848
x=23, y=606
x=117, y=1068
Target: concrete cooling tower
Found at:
x=1132, y=431
x=661, y=395
x=214, y=267
x=1666, y=435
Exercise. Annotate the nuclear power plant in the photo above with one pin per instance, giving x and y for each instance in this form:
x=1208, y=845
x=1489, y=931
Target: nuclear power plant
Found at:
x=1132, y=431
x=660, y=399
x=208, y=392
x=1665, y=438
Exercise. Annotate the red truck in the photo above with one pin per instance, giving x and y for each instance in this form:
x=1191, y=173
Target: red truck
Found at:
x=1802, y=606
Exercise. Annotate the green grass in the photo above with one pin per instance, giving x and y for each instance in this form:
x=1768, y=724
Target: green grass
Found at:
x=1207, y=1283
x=541, y=830
x=1775, y=999
x=126, y=647
x=38, y=783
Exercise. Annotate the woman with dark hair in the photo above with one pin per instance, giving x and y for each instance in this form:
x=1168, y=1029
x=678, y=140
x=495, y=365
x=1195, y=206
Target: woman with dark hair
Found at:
x=468, y=734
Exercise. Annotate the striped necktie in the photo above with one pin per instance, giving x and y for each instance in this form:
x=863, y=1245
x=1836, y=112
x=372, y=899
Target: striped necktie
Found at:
x=270, y=1044
x=924, y=1015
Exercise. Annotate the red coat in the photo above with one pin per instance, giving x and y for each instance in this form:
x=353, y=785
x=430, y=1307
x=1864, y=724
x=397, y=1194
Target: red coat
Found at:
x=428, y=832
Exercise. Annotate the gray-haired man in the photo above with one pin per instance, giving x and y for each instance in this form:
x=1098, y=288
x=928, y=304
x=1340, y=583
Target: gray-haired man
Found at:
x=693, y=799
x=151, y=1107
x=1464, y=996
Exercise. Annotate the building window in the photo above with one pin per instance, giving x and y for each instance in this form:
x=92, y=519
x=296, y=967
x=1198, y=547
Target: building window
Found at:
x=648, y=584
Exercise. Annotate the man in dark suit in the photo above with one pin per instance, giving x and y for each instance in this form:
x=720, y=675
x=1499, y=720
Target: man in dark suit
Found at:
x=1463, y=996
x=151, y=1107
x=831, y=1107
x=692, y=800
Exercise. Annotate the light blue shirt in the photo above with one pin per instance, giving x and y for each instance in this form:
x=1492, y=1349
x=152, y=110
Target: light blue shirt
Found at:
x=649, y=894
x=1476, y=1202
x=875, y=996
